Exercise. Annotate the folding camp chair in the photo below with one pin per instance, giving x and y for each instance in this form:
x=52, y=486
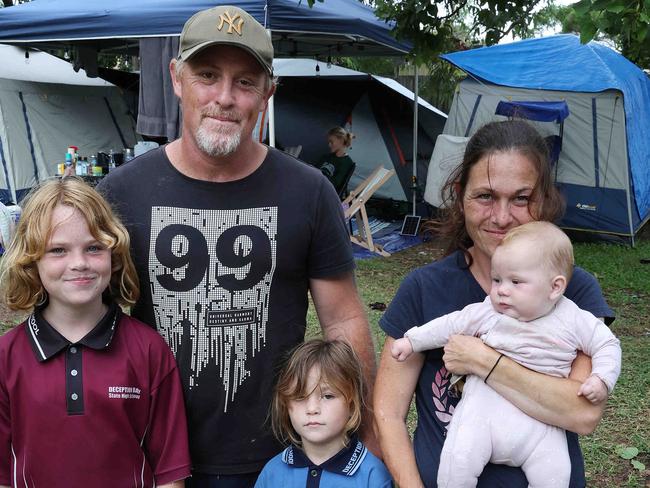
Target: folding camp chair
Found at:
x=355, y=206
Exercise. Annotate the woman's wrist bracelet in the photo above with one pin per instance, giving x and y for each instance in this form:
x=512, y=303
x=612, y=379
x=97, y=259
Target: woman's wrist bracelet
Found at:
x=493, y=368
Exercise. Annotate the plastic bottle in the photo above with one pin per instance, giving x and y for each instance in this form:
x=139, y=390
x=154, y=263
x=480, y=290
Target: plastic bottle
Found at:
x=68, y=162
x=128, y=154
x=111, y=161
x=94, y=168
x=72, y=150
x=80, y=167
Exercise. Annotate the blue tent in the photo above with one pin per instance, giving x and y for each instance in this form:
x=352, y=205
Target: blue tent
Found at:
x=334, y=27
x=604, y=167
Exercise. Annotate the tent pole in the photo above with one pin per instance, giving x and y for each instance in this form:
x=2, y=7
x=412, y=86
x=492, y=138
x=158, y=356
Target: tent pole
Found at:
x=272, y=121
x=415, y=135
x=271, y=113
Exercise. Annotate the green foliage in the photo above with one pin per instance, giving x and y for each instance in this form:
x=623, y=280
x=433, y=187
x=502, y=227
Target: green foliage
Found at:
x=438, y=88
x=372, y=65
x=637, y=465
x=627, y=452
x=450, y=25
x=625, y=22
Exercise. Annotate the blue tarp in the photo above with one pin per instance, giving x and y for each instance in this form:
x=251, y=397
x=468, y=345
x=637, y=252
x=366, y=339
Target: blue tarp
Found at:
x=387, y=235
x=348, y=21
x=562, y=63
x=539, y=111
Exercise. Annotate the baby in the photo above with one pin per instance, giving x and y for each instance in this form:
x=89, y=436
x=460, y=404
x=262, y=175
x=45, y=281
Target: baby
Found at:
x=527, y=318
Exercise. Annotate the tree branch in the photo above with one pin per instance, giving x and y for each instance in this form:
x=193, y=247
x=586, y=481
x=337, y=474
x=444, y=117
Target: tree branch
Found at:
x=461, y=6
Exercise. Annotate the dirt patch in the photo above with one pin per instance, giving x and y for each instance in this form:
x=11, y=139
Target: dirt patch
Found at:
x=631, y=318
x=8, y=318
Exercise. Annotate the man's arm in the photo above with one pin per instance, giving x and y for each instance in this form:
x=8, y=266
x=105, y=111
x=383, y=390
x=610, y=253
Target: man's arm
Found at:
x=549, y=399
x=342, y=316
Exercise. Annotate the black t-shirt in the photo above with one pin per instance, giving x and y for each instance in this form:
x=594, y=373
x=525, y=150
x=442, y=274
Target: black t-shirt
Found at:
x=335, y=168
x=224, y=272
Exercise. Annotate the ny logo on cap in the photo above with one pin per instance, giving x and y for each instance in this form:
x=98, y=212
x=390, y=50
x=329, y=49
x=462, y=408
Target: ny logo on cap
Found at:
x=235, y=22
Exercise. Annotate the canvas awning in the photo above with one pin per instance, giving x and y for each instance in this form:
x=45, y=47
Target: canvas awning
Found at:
x=334, y=27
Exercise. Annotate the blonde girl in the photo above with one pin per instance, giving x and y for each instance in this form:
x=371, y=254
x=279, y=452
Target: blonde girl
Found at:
x=337, y=165
x=88, y=395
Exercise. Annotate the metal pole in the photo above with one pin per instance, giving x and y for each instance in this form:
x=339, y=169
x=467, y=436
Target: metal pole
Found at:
x=271, y=113
x=415, y=136
x=271, y=121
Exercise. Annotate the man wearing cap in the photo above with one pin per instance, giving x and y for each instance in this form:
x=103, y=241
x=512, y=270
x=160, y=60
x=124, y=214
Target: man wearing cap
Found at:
x=228, y=236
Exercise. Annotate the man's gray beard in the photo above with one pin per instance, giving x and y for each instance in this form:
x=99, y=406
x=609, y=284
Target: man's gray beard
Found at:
x=217, y=144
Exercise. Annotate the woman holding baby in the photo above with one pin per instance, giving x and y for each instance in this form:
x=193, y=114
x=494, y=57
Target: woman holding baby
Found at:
x=504, y=181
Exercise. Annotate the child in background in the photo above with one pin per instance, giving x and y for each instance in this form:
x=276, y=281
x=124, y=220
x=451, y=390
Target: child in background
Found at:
x=527, y=318
x=317, y=409
x=337, y=164
x=88, y=395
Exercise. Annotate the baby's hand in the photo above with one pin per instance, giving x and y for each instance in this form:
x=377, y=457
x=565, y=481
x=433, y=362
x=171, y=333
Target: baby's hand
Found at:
x=593, y=389
x=401, y=349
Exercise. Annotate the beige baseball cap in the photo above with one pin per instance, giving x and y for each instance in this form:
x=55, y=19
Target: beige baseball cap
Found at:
x=227, y=25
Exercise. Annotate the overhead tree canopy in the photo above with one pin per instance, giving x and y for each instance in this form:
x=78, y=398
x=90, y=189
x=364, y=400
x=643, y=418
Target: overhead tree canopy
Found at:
x=625, y=22
x=436, y=27
x=452, y=25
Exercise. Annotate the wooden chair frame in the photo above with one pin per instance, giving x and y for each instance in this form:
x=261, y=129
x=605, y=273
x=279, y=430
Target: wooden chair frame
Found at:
x=355, y=206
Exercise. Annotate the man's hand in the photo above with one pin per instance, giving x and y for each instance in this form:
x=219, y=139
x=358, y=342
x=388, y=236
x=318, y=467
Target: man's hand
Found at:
x=593, y=389
x=401, y=349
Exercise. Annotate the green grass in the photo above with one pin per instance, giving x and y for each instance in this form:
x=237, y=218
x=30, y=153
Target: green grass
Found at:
x=626, y=285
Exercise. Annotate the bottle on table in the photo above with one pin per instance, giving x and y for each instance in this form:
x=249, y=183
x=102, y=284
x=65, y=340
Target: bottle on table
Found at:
x=95, y=168
x=69, y=168
x=128, y=154
x=87, y=169
x=80, y=168
x=111, y=161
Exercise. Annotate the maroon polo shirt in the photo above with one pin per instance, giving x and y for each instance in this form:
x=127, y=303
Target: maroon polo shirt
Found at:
x=106, y=411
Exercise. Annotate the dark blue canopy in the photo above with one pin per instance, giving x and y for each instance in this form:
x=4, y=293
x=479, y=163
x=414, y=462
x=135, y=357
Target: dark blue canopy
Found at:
x=539, y=111
x=333, y=27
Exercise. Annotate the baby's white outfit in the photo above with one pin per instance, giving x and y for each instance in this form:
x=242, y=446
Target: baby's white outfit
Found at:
x=485, y=426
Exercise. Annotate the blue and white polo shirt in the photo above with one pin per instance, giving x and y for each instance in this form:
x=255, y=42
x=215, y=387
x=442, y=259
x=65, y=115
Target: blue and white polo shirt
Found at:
x=352, y=467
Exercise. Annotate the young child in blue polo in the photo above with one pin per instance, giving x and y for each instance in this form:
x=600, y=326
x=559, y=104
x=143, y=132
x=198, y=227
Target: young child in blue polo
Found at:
x=317, y=409
x=88, y=396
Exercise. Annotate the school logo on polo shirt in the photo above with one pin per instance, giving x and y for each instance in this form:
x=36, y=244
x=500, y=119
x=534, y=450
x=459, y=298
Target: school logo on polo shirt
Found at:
x=124, y=392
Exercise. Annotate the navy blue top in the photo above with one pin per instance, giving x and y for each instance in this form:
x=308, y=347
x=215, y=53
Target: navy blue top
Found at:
x=437, y=289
